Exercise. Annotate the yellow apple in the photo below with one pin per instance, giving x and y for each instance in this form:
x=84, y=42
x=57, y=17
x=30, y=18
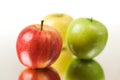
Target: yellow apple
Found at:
x=59, y=21
x=62, y=62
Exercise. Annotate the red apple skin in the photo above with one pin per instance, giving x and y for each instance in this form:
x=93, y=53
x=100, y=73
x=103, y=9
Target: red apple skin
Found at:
x=38, y=48
x=39, y=74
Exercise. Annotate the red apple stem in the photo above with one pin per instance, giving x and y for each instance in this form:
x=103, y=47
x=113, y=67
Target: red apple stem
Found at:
x=42, y=24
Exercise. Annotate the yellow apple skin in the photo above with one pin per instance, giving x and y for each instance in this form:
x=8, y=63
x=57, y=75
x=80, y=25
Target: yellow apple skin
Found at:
x=59, y=21
x=63, y=61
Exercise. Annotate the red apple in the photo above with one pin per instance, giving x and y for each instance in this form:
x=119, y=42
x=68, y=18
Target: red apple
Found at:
x=38, y=46
x=39, y=74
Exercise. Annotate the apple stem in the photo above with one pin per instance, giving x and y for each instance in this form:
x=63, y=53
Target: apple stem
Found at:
x=91, y=19
x=42, y=24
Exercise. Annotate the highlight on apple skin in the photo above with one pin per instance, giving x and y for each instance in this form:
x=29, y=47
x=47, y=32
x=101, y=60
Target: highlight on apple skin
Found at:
x=38, y=46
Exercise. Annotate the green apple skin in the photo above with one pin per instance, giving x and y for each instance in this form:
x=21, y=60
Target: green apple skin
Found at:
x=86, y=37
x=84, y=70
x=59, y=21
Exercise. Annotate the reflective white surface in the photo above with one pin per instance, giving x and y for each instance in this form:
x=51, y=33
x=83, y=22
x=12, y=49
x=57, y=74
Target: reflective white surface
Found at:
x=15, y=15
x=109, y=59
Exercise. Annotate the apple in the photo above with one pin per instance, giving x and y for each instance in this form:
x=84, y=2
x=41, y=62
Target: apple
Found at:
x=60, y=22
x=86, y=37
x=38, y=46
x=84, y=70
x=39, y=74
x=62, y=62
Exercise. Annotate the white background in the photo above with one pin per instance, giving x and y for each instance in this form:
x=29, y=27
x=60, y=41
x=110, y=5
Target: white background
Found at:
x=16, y=14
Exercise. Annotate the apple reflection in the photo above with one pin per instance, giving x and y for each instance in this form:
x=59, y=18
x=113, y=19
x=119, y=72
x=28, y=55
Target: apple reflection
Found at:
x=84, y=70
x=39, y=74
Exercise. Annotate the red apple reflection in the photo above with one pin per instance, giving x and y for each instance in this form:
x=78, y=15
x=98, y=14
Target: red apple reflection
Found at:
x=39, y=74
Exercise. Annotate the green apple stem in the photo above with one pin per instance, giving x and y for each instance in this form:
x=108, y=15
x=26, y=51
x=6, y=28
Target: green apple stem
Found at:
x=42, y=24
x=91, y=19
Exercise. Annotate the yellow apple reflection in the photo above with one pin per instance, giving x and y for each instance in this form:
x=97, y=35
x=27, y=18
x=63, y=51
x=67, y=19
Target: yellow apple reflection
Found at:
x=62, y=62
x=39, y=74
x=84, y=70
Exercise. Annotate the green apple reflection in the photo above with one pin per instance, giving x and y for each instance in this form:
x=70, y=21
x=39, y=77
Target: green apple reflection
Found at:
x=39, y=74
x=84, y=70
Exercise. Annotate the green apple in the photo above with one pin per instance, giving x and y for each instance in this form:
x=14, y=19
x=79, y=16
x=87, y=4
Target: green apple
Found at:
x=62, y=62
x=59, y=21
x=86, y=37
x=84, y=70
